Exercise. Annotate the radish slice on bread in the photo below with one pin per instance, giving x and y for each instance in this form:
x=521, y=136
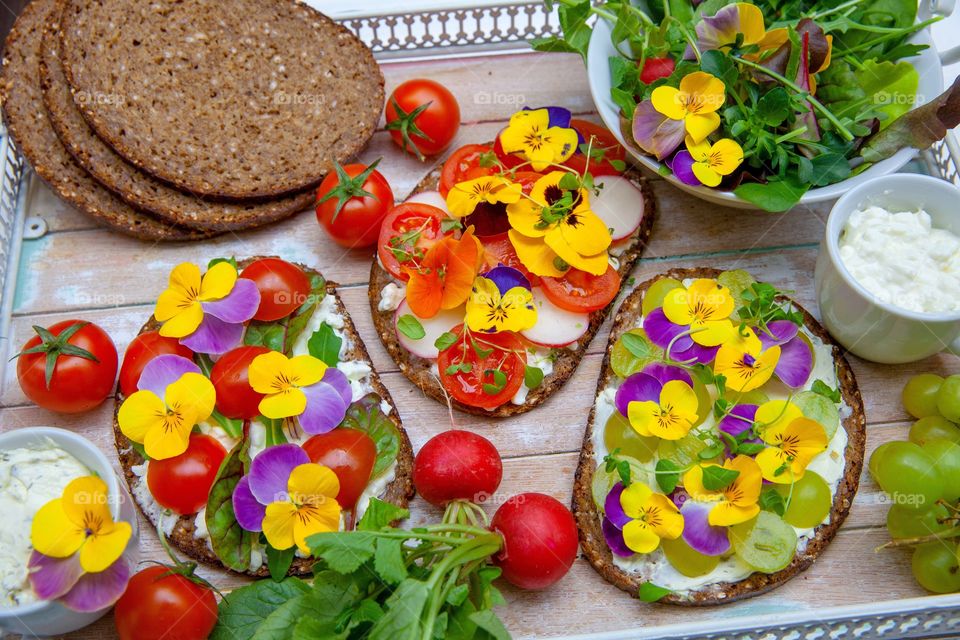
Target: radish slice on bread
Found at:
x=555, y=327
x=433, y=327
x=619, y=204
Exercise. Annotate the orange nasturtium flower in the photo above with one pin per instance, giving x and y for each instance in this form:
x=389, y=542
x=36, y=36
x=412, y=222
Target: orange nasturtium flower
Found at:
x=445, y=276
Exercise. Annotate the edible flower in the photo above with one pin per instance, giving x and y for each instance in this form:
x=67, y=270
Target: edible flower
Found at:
x=739, y=419
x=733, y=503
x=79, y=553
x=694, y=104
x=303, y=387
x=172, y=397
x=531, y=135
x=464, y=197
x=445, y=275
x=796, y=359
x=693, y=321
x=554, y=229
x=287, y=497
x=744, y=362
x=636, y=519
x=659, y=401
x=705, y=163
x=206, y=312
x=793, y=441
x=501, y=300
x=734, y=25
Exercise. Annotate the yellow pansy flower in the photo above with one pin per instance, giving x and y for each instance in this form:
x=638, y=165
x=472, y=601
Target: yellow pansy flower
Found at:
x=711, y=162
x=744, y=363
x=464, y=197
x=705, y=306
x=281, y=380
x=179, y=306
x=792, y=446
x=530, y=135
x=695, y=103
x=653, y=516
x=490, y=311
x=311, y=507
x=671, y=418
x=735, y=503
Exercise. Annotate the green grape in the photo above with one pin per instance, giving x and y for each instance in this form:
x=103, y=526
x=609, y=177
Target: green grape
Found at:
x=908, y=475
x=920, y=395
x=934, y=428
x=946, y=457
x=654, y=296
x=935, y=566
x=704, y=402
x=618, y=434
x=754, y=396
x=877, y=456
x=626, y=363
x=948, y=399
x=604, y=480
x=819, y=409
x=810, y=501
x=686, y=560
x=766, y=543
x=682, y=452
x=910, y=523
x=737, y=281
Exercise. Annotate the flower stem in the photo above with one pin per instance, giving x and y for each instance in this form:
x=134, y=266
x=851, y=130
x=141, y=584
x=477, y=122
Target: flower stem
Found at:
x=837, y=9
x=935, y=537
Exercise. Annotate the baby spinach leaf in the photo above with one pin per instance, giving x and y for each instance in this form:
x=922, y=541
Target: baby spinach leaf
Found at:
x=489, y=622
x=325, y=345
x=282, y=334
x=229, y=540
x=366, y=415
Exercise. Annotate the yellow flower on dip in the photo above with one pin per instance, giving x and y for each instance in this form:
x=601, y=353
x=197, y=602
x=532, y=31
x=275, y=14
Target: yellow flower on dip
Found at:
x=530, y=135
x=792, y=446
x=179, y=306
x=653, y=516
x=553, y=229
x=705, y=306
x=464, y=197
x=671, y=418
x=501, y=301
x=736, y=502
x=80, y=521
x=711, y=162
x=696, y=103
x=311, y=508
x=744, y=362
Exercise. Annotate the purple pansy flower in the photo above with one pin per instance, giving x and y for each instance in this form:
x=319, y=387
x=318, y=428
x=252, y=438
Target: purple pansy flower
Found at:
x=699, y=533
x=796, y=360
x=662, y=332
x=647, y=384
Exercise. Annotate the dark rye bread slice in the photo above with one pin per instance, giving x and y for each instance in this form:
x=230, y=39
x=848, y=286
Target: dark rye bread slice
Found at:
x=26, y=120
x=240, y=99
x=588, y=518
x=417, y=369
x=136, y=187
x=399, y=491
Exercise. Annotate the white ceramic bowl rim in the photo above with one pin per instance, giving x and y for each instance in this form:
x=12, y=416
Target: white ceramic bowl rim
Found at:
x=854, y=199
x=72, y=443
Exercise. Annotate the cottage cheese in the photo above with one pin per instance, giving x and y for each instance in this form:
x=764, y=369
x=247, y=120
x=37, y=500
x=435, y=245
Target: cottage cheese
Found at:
x=901, y=259
x=29, y=478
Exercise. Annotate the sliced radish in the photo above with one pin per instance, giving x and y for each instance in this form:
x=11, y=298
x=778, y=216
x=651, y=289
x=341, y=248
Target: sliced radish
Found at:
x=432, y=198
x=434, y=327
x=619, y=205
x=555, y=327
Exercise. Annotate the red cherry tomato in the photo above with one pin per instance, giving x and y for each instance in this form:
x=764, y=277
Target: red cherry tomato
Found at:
x=481, y=355
x=463, y=165
x=351, y=455
x=235, y=397
x=539, y=540
x=656, y=68
x=601, y=139
x=457, y=465
x=159, y=605
x=434, y=128
x=357, y=223
x=283, y=287
x=500, y=251
x=144, y=348
x=408, y=231
x=182, y=483
x=582, y=292
x=79, y=382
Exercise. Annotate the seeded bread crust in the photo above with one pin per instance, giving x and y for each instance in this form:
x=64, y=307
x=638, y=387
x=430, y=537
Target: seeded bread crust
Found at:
x=588, y=518
x=241, y=99
x=137, y=188
x=30, y=129
x=417, y=369
x=400, y=491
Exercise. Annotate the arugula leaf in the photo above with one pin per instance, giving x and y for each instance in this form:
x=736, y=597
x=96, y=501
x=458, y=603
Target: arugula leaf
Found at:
x=532, y=377
x=380, y=514
x=366, y=415
x=243, y=610
x=824, y=169
x=333, y=593
x=325, y=345
x=231, y=542
x=668, y=475
x=576, y=31
x=650, y=592
x=279, y=561
x=409, y=326
x=277, y=625
x=310, y=628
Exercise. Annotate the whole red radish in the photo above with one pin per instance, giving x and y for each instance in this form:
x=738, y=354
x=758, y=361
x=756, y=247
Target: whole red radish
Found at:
x=457, y=465
x=539, y=540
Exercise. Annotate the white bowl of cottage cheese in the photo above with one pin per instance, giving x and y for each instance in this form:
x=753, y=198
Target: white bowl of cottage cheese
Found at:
x=36, y=463
x=888, y=273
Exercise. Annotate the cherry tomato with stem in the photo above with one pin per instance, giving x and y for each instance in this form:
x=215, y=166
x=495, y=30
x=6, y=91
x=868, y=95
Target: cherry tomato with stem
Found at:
x=423, y=117
x=352, y=203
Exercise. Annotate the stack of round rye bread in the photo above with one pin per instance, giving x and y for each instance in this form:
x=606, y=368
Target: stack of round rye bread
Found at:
x=179, y=120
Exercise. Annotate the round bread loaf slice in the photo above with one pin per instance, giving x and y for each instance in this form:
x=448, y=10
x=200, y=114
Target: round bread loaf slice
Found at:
x=588, y=517
x=136, y=187
x=28, y=125
x=250, y=98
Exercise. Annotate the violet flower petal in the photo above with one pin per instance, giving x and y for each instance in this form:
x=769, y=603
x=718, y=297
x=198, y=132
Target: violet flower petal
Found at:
x=338, y=380
x=325, y=408
x=780, y=332
x=795, y=363
x=699, y=534
x=682, y=167
x=639, y=387
x=558, y=116
x=50, y=577
x=613, y=509
x=665, y=373
x=697, y=353
x=248, y=511
x=96, y=591
x=661, y=332
x=163, y=371
x=270, y=471
x=740, y=418
x=614, y=538
x=238, y=306
x=214, y=336
x=656, y=134
x=507, y=278
x=719, y=29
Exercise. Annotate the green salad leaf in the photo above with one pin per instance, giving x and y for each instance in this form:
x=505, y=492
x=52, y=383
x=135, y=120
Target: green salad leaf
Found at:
x=231, y=542
x=366, y=415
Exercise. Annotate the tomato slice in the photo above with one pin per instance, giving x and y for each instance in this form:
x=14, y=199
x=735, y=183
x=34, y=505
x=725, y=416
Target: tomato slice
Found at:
x=582, y=292
x=470, y=363
x=603, y=139
x=407, y=232
x=464, y=164
x=500, y=251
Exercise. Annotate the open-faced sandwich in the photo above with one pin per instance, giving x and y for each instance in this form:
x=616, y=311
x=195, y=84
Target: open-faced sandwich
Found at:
x=249, y=416
x=725, y=445
x=491, y=280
